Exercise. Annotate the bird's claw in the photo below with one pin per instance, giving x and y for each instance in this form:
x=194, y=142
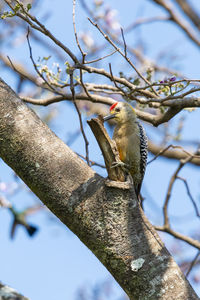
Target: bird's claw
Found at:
x=121, y=164
x=125, y=168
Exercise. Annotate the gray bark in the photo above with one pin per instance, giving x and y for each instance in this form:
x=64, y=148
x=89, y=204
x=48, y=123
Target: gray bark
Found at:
x=108, y=220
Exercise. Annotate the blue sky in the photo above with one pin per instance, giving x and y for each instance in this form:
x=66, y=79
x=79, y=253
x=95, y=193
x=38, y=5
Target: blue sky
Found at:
x=54, y=264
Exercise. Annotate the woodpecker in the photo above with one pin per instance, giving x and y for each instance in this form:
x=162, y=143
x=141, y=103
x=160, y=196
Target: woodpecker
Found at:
x=131, y=140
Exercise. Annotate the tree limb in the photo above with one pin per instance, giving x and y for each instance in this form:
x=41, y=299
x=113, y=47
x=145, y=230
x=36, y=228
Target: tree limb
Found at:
x=189, y=11
x=172, y=154
x=178, y=20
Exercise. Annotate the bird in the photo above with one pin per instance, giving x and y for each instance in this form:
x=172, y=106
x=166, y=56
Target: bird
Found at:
x=19, y=218
x=131, y=141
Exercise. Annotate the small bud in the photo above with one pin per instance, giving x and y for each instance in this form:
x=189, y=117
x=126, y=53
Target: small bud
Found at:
x=173, y=78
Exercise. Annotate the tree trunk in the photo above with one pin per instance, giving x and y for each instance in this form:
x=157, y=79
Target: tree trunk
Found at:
x=108, y=220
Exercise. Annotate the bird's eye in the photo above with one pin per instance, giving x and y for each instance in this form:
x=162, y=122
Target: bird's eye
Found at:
x=117, y=109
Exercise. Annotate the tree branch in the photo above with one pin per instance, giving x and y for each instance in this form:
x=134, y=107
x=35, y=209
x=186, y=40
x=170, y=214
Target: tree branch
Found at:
x=37, y=25
x=178, y=20
x=172, y=154
x=182, y=237
x=189, y=11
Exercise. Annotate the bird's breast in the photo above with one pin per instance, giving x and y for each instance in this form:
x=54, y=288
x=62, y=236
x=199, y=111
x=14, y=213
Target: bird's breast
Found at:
x=128, y=144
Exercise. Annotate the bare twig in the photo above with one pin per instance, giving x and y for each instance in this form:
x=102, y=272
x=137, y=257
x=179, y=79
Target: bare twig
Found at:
x=189, y=11
x=79, y=115
x=92, y=163
x=125, y=46
x=172, y=181
x=163, y=150
x=32, y=20
x=190, y=195
x=116, y=85
x=101, y=58
x=178, y=20
x=168, y=196
x=120, y=80
x=35, y=66
x=19, y=69
x=192, y=264
x=121, y=53
x=179, y=236
x=137, y=53
x=75, y=33
x=173, y=154
x=143, y=21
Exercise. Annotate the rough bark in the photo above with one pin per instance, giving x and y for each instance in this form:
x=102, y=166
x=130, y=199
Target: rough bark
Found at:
x=107, y=219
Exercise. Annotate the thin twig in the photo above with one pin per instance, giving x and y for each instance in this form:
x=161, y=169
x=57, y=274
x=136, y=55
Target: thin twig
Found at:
x=168, y=196
x=79, y=115
x=75, y=33
x=162, y=151
x=83, y=54
x=125, y=46
x=116, y=85
x=172, y=181
x=192, y=264
x=189, y=194
x=137, y=53
x=30, y=77
x=187, y=239
x=185, y=26
x=92, y=163
x=122, y=54
x=120, y=80
x=143, y=21
x=35, y=66
x=190, y=12
x=32, y=20
x=173, y=154
x=19, y=69
x=101, y=58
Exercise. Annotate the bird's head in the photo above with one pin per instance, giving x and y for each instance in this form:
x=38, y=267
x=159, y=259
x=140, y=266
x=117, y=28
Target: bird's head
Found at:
x=121, y=112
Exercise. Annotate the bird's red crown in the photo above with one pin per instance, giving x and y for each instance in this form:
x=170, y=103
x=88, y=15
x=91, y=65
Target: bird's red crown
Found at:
x=113, y=106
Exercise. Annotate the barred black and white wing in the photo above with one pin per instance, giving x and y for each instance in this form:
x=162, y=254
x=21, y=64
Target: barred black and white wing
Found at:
x=143, y=152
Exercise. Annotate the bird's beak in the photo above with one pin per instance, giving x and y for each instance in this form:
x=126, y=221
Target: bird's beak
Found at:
x=106, y=118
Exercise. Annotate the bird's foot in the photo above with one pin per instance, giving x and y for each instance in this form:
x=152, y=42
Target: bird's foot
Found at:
x=125, y=168
x=121, y=164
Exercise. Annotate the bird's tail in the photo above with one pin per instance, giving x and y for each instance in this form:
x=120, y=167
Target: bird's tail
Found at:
x=31, y=230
